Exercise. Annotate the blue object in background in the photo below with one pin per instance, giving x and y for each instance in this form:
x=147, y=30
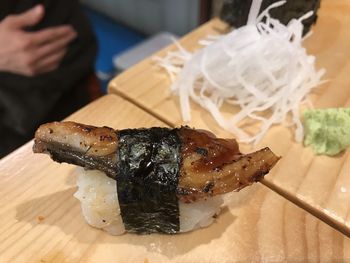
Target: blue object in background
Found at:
x=113, y=38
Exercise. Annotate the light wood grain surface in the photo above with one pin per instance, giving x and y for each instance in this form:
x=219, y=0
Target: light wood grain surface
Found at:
x=319, y=184
x=40, y=220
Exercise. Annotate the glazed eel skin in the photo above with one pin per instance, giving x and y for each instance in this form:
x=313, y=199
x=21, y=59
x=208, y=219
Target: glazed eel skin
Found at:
x=209, y=165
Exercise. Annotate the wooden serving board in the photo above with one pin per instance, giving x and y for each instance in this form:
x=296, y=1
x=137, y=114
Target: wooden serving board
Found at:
x=319, y=184
x=40, y=220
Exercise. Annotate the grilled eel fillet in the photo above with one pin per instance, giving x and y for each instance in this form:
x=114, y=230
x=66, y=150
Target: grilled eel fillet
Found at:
x=210, y=165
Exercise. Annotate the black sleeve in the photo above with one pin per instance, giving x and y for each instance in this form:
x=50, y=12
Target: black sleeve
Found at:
x=26, y=101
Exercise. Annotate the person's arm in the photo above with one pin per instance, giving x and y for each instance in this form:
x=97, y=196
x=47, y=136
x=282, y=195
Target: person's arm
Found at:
x=32, y=53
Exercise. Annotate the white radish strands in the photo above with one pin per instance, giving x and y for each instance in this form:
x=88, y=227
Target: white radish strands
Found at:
x=261, y=67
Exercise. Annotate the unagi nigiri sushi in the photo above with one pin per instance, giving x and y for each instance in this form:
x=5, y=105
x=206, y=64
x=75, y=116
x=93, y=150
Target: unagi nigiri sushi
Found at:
x=151, y=180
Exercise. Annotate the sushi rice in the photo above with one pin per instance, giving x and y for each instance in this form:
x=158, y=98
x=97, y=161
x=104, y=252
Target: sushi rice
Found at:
x=99, y=203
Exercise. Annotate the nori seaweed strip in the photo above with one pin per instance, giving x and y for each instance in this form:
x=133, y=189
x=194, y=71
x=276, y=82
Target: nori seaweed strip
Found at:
x=235, y=12
x=148, y=170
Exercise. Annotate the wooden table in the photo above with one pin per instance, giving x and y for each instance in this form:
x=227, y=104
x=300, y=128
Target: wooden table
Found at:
x=319, y=184
x=40, y=220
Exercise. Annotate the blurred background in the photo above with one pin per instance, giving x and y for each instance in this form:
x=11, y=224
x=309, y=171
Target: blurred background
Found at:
x=128, y=31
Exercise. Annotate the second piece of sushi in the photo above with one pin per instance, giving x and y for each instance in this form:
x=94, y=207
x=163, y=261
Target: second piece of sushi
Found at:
x=235, y=12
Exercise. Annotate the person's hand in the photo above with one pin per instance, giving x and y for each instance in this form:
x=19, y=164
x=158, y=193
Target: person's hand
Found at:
x=32, y=53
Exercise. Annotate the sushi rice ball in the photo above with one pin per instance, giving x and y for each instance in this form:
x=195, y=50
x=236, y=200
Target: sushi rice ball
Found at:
x=100, y=207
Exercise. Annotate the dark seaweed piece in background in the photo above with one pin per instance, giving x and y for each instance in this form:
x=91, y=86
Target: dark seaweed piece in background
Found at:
x=148, y=170
x=235, y=12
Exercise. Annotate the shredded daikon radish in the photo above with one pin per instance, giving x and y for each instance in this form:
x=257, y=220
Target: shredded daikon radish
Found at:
x=261, y=67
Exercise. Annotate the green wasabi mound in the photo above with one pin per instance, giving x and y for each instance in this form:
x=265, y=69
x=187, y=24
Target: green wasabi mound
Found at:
x=327, y=131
